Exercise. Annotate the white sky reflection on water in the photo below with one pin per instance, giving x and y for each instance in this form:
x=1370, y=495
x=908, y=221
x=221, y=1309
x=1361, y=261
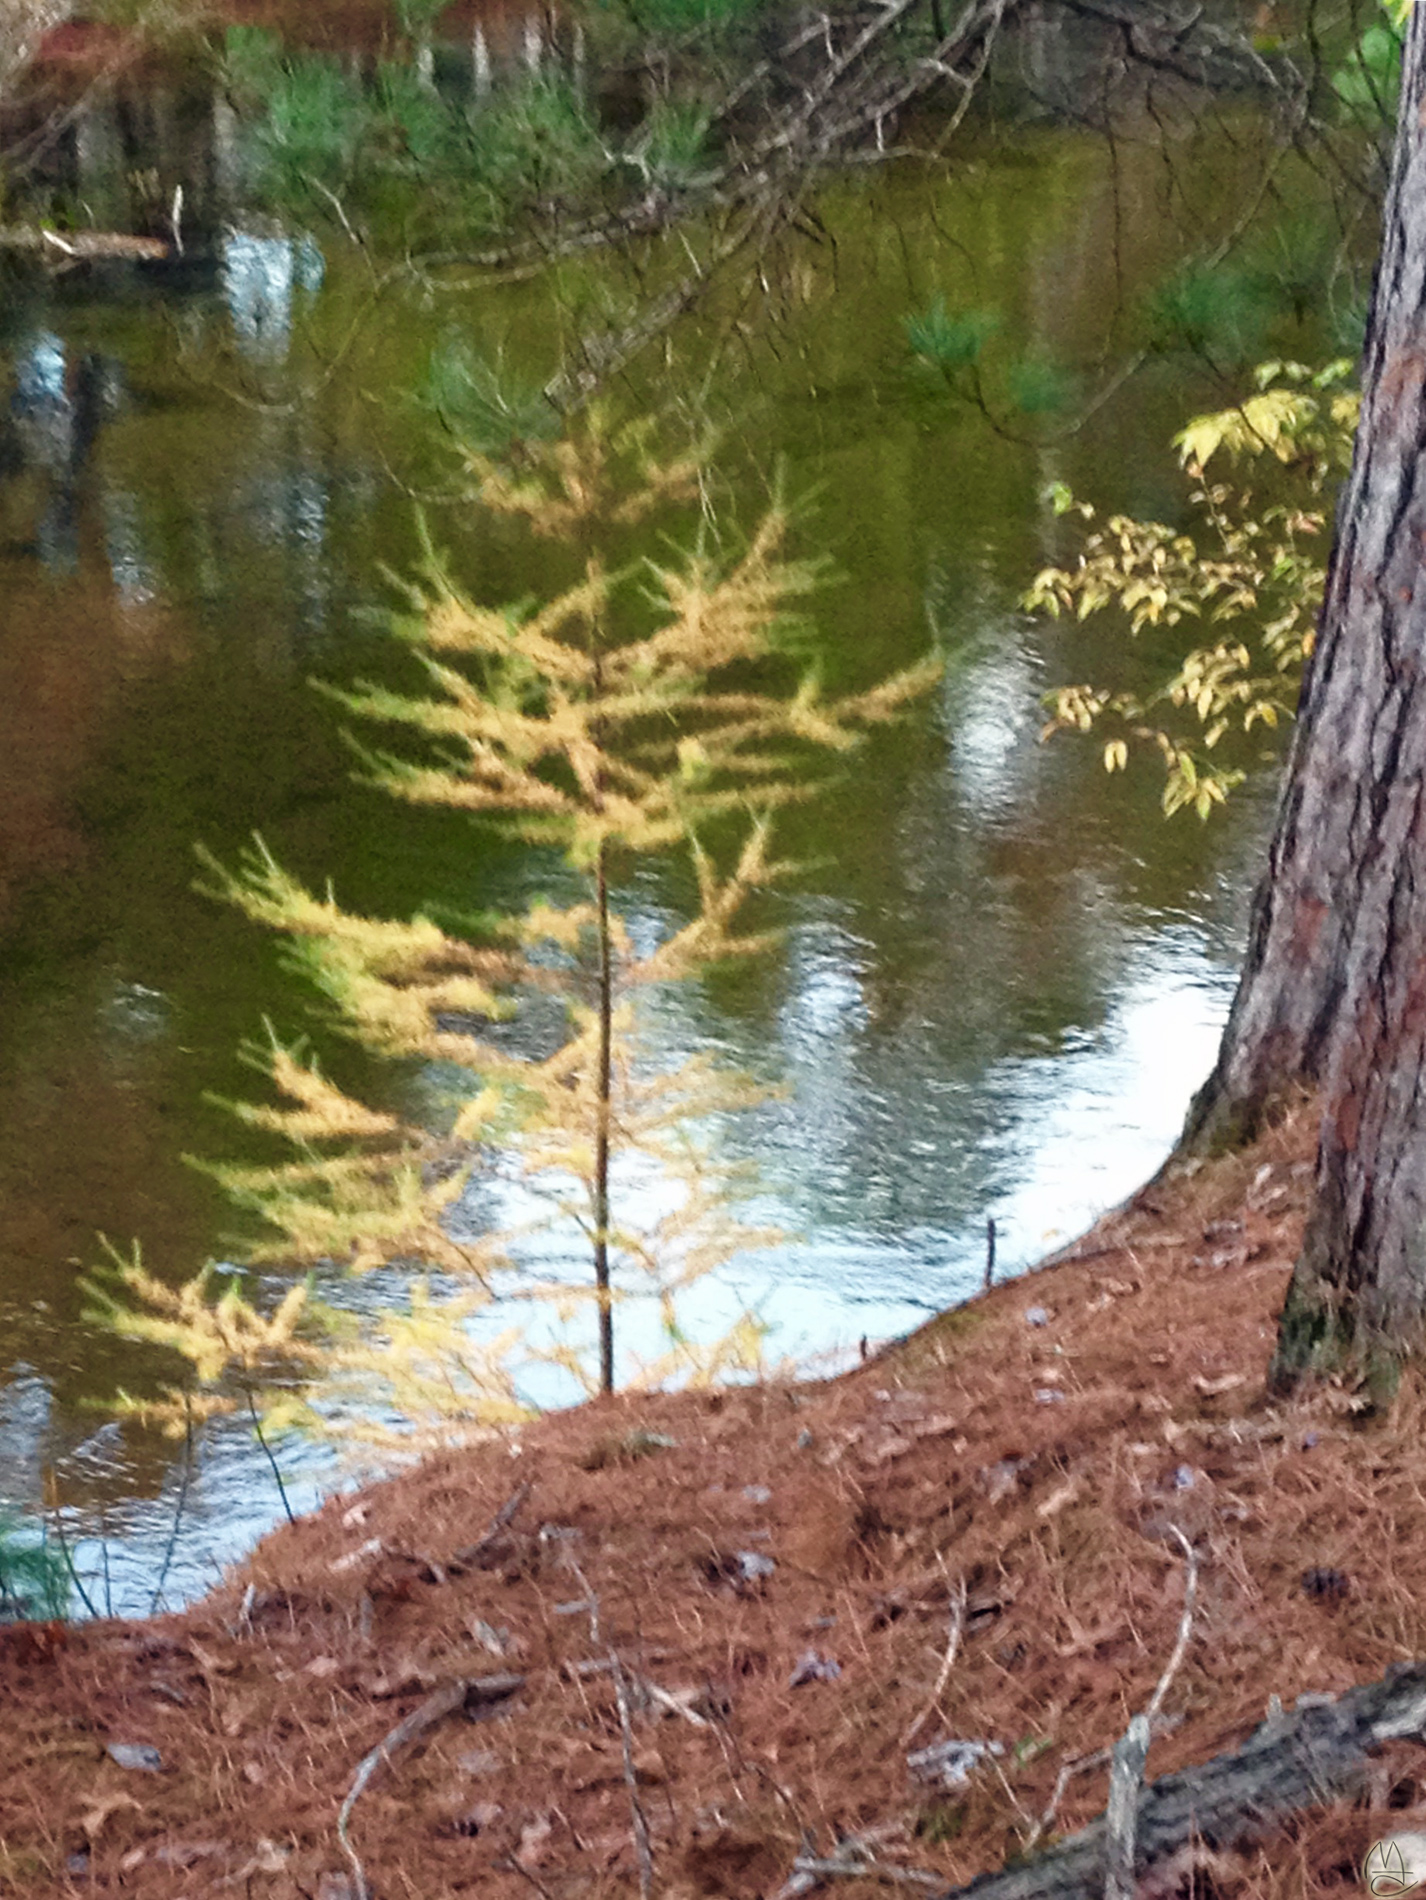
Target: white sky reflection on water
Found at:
x=996, y=1001
x=1076, y=1132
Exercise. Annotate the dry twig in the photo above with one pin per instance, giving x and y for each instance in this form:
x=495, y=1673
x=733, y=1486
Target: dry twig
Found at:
x=463, y=1558
x=642, y=1847
x=1077, y=1765
x=1101, y=1757
x=953, y=1644
x=1126, y=1769
x=1185, y=1626
x=640, y=1820
x=460, y=1693
x=854, y=1858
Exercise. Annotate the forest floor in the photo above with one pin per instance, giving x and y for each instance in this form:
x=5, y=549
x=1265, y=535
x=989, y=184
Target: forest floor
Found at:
x=969, y=1537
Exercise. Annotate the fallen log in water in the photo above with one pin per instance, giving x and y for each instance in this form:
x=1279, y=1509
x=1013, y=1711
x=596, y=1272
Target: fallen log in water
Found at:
x=82, y=246
x=1293, y=1761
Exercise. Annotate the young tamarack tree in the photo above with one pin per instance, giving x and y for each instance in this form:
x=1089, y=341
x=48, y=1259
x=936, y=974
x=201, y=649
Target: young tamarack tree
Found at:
x=629, y=716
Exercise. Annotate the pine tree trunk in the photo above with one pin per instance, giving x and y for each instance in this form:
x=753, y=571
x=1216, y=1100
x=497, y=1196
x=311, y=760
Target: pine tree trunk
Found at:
x=1334, y=990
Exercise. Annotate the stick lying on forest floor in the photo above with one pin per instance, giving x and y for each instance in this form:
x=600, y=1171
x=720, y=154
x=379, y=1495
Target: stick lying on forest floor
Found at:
x=472, y=1553
x=464, y=1693
x=1126, y=1767
x=1290, y=1762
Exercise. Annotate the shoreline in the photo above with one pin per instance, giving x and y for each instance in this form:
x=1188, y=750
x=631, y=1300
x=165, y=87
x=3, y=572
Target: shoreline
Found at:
x=782, y=1572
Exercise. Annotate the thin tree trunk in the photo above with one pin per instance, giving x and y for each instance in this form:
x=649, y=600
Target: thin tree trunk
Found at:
x=1334, y=989
x=603, y=1083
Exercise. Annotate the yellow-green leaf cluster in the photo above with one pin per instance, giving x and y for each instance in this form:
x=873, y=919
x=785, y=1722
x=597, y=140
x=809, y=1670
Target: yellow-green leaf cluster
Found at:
x=1252, y=575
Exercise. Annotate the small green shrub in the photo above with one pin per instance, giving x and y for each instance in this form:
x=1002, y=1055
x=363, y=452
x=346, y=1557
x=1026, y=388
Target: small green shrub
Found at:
x=947, y=342
x=316, y=116
x=672, y=147
x=1207, y=310
x=537, y=145
x=34, y=1581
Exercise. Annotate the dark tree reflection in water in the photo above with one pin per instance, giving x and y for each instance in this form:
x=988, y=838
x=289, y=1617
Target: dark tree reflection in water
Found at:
x=1002, y=974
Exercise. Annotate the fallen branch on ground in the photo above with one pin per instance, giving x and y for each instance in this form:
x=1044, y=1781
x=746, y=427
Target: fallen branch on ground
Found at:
x=957, y=1594
x=1289, y=1763
x=463, y=1693
x=471, y=1553
x=643, y=1689
x=1126, y=1767
x=854, y=1858
x=807, y=1868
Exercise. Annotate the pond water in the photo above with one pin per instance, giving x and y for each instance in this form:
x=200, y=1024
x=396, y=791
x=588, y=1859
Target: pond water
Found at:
x=1001, y=976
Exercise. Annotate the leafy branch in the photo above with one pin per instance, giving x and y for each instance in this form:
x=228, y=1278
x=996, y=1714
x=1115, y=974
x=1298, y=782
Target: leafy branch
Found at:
x=1254, y=576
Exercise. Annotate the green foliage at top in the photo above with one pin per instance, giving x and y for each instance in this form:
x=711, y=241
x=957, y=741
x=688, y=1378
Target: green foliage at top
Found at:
x=250, y=66
x=533, y=149
x=409, y=121
x=947, y=342
x=536, y=145
x=618, y=719
x=1368, y=82
x=309, y=115
x=1254, y=574
x=482, y=404
x=1209, y=310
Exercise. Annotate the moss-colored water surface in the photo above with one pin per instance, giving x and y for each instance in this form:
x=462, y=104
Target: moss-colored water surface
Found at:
x=1001, y=973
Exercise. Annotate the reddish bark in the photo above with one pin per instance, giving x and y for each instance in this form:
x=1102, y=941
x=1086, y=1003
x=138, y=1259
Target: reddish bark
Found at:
x=1334, y=988
x=86, y=43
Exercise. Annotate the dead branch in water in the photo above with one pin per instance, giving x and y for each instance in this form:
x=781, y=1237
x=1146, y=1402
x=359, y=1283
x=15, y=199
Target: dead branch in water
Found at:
x=82, y=246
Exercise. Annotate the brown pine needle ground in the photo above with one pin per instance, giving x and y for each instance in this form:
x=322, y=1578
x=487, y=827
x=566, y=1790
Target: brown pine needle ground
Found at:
x=1016, y=1483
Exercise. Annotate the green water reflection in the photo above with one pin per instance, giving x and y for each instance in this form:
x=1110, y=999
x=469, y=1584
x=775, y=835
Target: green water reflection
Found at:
x=1000, y=979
